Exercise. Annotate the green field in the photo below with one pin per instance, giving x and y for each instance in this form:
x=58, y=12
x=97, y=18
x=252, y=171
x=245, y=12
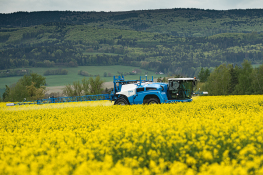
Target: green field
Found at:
x=60, y=80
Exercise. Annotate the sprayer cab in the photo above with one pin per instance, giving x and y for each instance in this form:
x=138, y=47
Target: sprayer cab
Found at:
x=181, y=88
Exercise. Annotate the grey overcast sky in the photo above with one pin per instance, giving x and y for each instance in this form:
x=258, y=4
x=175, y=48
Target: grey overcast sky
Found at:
x=9, y=6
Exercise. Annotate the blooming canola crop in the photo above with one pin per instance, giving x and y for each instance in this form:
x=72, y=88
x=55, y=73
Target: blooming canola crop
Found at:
x=211, y=135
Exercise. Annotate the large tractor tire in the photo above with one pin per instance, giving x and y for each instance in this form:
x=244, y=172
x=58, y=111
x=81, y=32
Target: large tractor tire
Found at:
x=121, y=101
x=153, y=101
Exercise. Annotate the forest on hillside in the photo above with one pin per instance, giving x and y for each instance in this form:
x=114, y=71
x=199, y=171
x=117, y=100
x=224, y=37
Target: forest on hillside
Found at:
x=173, y=41
x=178, y=22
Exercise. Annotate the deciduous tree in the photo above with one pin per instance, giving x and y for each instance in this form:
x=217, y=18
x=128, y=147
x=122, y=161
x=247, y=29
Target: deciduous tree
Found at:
x=85, y=87
x=244, y=79
x=218, y=81
x=29, y=87
x=95, y=85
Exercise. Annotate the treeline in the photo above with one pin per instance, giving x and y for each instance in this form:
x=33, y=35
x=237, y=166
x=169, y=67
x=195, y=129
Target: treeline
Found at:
x=235, y=80
x=32, y=87
x=56, y=72
x=13, y=73
x=108, y=74
x=84, y=87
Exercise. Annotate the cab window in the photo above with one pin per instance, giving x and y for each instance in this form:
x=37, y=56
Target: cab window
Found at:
x=150, y=88
x=139, y=89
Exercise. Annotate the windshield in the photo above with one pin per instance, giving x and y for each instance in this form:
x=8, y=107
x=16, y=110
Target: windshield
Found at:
x=187, y=87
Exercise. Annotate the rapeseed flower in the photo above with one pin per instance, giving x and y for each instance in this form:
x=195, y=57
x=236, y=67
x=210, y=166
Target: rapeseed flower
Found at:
x=211, y=135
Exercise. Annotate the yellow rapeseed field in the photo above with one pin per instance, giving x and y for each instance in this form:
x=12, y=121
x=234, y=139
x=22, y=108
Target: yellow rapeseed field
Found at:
x=211, y=135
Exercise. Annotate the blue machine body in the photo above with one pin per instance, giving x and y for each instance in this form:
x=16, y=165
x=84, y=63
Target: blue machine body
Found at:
x=146, y=91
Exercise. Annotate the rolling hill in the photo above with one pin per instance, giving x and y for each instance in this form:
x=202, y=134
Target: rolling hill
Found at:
x=174, y=41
